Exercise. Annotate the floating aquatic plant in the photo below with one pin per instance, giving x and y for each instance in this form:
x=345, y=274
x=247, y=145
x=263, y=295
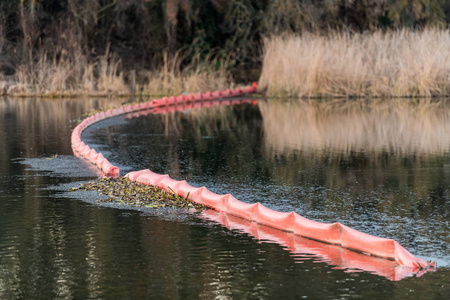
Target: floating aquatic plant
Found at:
x=121, y=190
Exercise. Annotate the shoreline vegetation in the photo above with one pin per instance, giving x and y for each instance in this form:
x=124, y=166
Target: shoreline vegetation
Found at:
x=401, y=63
x=76, y=76
x=320, y=49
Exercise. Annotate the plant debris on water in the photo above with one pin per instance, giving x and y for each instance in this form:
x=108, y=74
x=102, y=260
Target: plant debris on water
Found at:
x=124, y=191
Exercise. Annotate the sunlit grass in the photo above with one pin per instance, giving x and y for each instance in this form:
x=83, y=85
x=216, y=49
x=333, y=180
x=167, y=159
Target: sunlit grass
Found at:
x=396, y=63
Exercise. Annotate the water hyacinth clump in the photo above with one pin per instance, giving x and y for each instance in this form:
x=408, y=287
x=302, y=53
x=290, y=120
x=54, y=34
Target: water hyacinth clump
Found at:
x=124, y=191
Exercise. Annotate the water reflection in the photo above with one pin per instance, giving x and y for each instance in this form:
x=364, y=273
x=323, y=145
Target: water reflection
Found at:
x=343, y=127
x=35, y=127
x=36, y=258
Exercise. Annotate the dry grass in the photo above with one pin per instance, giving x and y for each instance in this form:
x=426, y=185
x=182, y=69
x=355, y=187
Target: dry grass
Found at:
x=75, y=74
x=396, y=63
x=345, y=126
x=209, y=74
x=69, y=75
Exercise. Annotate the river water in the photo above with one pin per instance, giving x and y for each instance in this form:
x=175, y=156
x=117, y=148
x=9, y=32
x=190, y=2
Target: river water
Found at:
x=381, y=167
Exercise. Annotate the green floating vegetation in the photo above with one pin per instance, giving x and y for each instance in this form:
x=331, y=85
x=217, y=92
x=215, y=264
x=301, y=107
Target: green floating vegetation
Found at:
x=123, y=191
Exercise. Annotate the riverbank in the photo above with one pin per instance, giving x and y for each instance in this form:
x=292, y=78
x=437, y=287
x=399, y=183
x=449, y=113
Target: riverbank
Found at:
x=400, y=63
x=159, y=48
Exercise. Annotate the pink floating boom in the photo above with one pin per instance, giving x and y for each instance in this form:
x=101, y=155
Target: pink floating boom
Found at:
x=336, y=233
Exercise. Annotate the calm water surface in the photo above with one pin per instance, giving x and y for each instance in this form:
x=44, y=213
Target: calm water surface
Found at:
x=380, y=167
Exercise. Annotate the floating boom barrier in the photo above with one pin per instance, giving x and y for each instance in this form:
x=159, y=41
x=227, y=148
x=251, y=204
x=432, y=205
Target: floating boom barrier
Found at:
x=335, y=234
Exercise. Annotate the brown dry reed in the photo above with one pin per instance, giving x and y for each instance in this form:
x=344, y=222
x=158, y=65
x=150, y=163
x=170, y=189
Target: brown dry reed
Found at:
x=394, y=64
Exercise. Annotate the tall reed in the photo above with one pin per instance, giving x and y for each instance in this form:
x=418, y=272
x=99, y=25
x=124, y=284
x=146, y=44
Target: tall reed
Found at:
x=393, y=63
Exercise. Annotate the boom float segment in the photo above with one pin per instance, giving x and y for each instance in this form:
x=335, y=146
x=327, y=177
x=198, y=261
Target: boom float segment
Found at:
x=335, y=234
